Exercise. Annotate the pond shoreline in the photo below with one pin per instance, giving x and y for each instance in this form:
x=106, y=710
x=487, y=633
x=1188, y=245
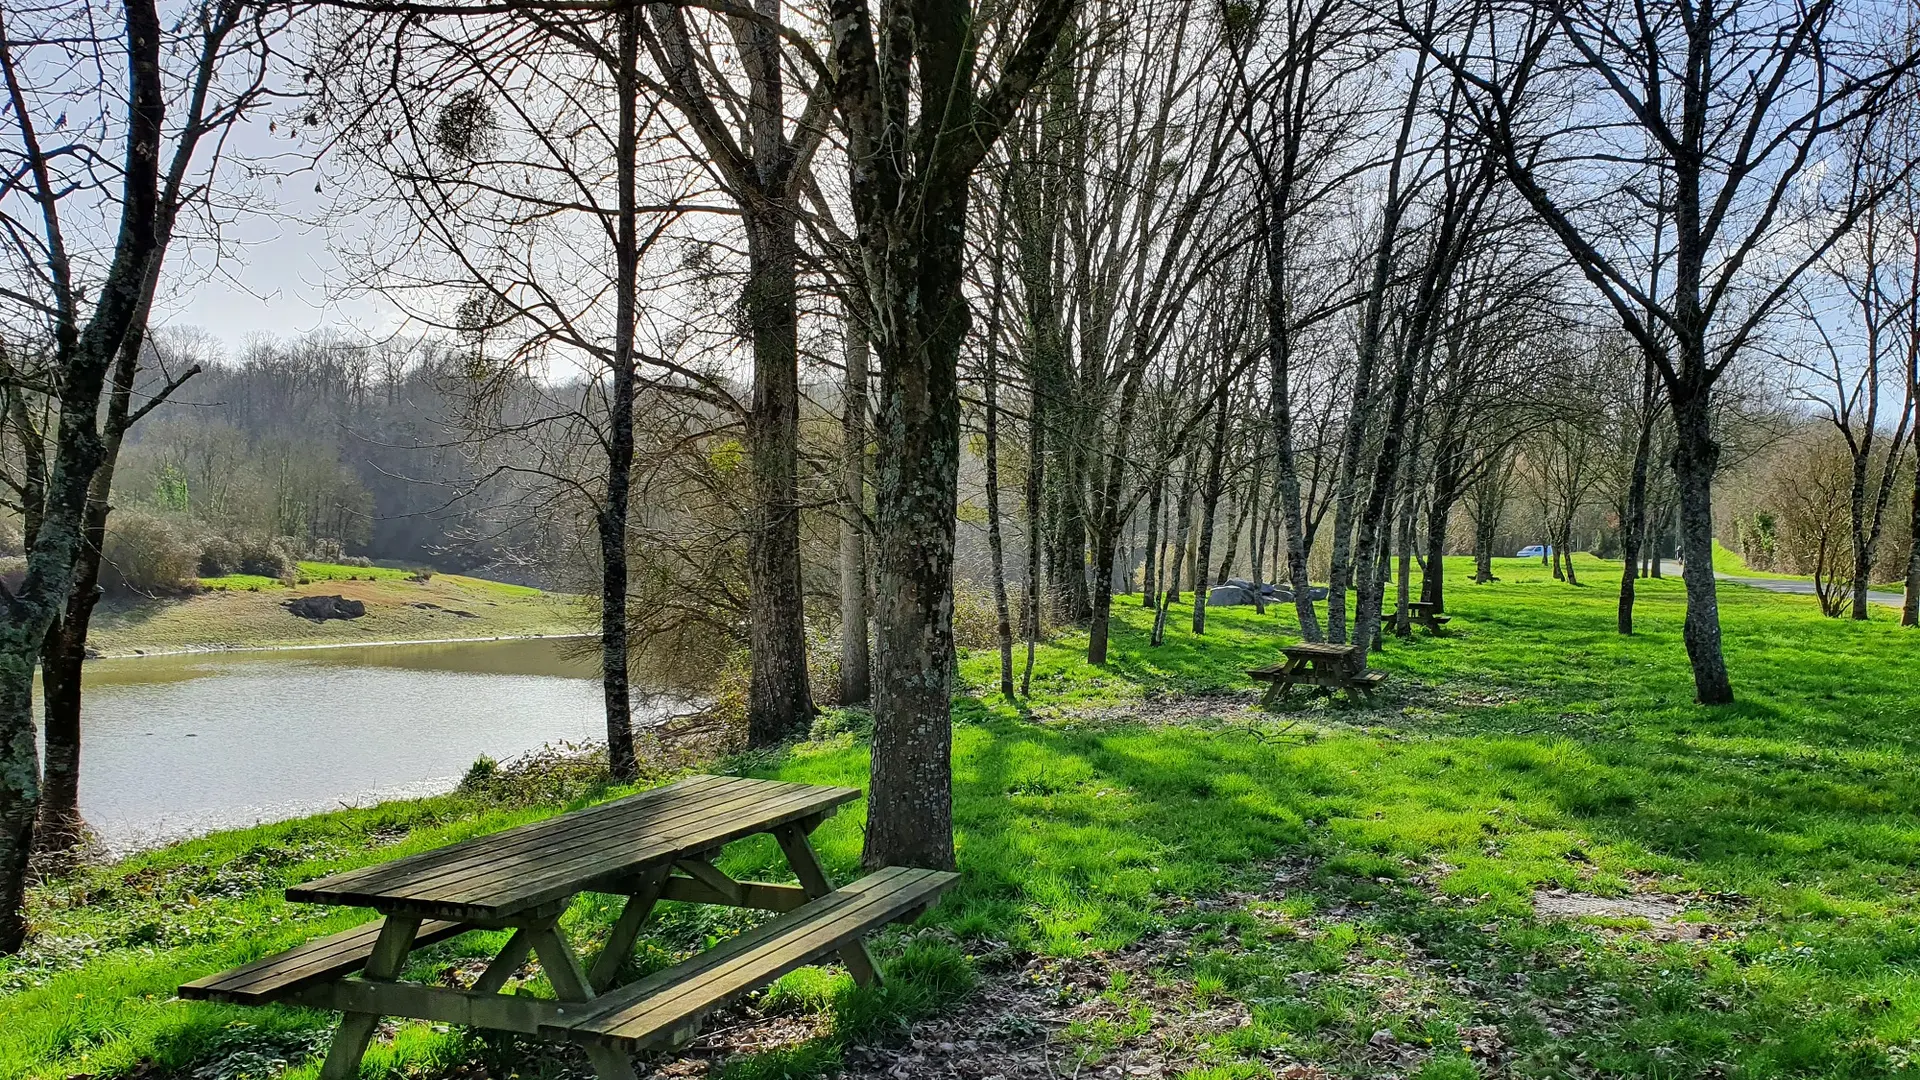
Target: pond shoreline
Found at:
x=224, y=650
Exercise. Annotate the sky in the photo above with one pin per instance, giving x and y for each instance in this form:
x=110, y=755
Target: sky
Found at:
x=277, y=271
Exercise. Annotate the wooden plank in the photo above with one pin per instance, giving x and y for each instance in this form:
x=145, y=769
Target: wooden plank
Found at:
x=763, y=895
x=602, y=856
x=631, y=995
x=473, y=1008
x=440, y=882
x=546, y=830
x=709, y=875
x=1318, y=648
x=562, y=968
x=611, y=861
x=669, y=1005
x=498, y=884
x=481, y=849
x=687, y=1001
x=316, y=961
x=639, y=813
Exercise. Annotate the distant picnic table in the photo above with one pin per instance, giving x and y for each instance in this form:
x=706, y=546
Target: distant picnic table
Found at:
x=657, y=845
x=1428, y=615
x=1325, y=666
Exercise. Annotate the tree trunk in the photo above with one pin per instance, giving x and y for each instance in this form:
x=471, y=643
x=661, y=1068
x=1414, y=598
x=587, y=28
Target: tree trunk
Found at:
x=1262, y=528
x=909, y=196
x=1369, y=546
x=1239, y=510
x=1003, y=623
x=64, y=655
x=1695, y=457
x=1030, y=597
x=779, y=700
x=1409, y=517
x=1216, y=455
x=616, y=692
x=1150, y=568
x=1183, y=518
x=910, y=798
x=1910, y=603
x=1633, y=522
x=1566, y=545
x=1446, y=492
x=855, y=660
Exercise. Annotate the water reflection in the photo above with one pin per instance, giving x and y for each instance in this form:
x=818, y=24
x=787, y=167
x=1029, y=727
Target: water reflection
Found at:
x=173, y=746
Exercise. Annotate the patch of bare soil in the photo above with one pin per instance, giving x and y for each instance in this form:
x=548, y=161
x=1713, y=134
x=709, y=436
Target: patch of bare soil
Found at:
x=1044, y=1018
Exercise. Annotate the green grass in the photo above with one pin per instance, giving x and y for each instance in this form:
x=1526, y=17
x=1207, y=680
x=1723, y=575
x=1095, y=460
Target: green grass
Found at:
x=247, y=611
x=309, y=572
x=1730, y=562
x=1529, y=747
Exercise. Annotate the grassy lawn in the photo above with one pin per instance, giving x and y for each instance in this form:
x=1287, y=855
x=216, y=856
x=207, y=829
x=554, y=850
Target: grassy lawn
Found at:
x=1730, y=562
x=1355, y=888
x=246, y=611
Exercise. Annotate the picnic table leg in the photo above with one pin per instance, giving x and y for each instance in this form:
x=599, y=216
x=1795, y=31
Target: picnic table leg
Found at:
x=504, y=964
x=619, y=946
x=570, y=984
x=389, y=958
x=806, y=867
x=1284, y=685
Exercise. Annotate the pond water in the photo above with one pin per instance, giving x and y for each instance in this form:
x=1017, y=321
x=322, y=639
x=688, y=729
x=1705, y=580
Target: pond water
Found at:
x=175, y=746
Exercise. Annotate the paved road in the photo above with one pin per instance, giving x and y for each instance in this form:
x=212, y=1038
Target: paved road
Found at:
x=1781, y=585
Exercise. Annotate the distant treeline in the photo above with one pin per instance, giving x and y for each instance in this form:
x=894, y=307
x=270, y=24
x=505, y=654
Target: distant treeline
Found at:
x=325, y=443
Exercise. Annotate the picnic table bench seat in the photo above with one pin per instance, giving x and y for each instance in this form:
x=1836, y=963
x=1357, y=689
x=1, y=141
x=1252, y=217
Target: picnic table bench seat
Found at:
x=667, y=1008
x=320, y=960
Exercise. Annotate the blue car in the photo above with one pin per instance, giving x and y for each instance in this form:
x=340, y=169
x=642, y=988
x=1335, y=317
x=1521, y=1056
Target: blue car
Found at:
x=1533, y=551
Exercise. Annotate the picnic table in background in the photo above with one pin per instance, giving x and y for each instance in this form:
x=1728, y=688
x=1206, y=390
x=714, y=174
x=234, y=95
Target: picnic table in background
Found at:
x=1428, y=615
x=656, y=845
x=1322, y=665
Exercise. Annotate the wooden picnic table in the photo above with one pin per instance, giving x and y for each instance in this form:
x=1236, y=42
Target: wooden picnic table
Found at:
x=1320, y=664
x=656, y=845
x=1428, y=615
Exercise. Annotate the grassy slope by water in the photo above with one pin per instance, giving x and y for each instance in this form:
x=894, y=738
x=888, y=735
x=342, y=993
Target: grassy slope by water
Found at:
x=1529, y=748
x=246, y=611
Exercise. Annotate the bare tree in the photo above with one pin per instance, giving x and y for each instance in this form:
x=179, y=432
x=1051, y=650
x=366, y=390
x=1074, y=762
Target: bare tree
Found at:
x=764, y=170
x=223, y=48
x=82, y=289
x=459, y=114
x=1867, y=355
x=1687, y=128
x=910, y=193
x=855, y=659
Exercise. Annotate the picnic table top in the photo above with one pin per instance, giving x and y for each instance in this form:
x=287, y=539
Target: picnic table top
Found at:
x=1318, y=649
x=502, y=874
x=1419, y=604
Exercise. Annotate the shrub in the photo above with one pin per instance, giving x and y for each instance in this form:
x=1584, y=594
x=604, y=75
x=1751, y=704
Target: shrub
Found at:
x=148, y=554
x=269, y=557
x=12, y=540
x=356, y=560
x=975, y=620
x=219, y=556
x=554, y=773
x=327, y=549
